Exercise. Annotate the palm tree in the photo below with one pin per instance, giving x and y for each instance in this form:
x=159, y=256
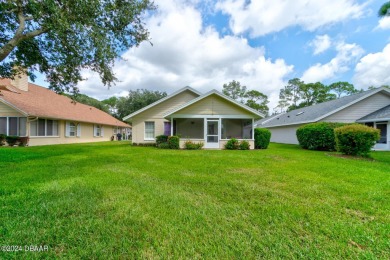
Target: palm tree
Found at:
x=384, y=10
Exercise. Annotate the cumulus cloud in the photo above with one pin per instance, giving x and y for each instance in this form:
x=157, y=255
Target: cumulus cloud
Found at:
x=373, y=69
x=384, y=23
x=321, y=43
x=263, y=17
x=346, y=55
x=185, y=53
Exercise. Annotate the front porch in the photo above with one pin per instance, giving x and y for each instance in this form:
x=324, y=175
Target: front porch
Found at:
x=213, y=131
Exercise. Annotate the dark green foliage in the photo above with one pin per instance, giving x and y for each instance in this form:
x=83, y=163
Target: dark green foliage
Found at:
x=144, y=144
x=61, y=38
x=318, y=136
x=2, y=139
x=161, y=139
x=244, y=145
x=163, y=146
x=356, y=139
x=189, y=145
x=174, y=142
x=135, y=100
x=262, y=138
x=232, y=144
x=12, y=140
x=384, y=10
x=84, y=99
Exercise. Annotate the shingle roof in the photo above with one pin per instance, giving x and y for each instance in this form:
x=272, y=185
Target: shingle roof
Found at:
x=317, y=112
x=381, y=114
x=42, y=102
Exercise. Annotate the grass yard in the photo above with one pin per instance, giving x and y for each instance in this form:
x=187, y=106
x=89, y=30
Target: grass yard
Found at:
x=112, y=200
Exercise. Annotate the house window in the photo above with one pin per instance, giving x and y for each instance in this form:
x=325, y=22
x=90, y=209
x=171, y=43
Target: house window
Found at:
x=72, y=129
x=97, y=130
x=149, y=130
x=44, y=127
x=13, y=126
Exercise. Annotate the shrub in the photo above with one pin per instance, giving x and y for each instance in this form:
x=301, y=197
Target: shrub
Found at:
x=244, y=145
x=2, y=139
x=144, y=144
x=163, y=146
x=262, y=138
x=193, y=146
x=232, y=144
x=12, y=140
x=161, y=139
x=356, y=139
x=174, y=142
x=318, y=136
x=23, y=141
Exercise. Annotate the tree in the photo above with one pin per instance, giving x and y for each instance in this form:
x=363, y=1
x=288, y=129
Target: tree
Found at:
x=343, y=88
x=136, y=100
x=314, y=93
x=84, y=99
x=234, y=90
x=60, y=38
x=384, y=10
x=251, y=98
x=111, y=103
x=257, y=101
x=290, y=94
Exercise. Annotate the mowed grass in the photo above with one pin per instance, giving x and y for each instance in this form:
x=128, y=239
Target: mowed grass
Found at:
x=111, y=200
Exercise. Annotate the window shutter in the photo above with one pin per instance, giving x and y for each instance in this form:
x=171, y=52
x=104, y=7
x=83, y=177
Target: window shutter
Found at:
x=101, y=130
x=67, y=129
x=78, y=130
x=94, y=130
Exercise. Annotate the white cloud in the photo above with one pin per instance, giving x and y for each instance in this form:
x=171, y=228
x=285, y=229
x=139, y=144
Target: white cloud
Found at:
x=346, y=54
x=373, y=69
x=321, y=43
x=384, y=23
x=185, y=53
x=263, y=17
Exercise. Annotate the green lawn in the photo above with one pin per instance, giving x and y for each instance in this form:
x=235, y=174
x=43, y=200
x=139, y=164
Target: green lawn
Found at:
x=112, y=200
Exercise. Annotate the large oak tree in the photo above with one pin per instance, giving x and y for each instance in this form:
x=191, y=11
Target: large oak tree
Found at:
x=59, y=38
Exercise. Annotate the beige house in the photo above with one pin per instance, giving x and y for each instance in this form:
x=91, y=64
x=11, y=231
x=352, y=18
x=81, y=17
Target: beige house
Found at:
x=211, y=118
x=47, y=118
x=371, y=107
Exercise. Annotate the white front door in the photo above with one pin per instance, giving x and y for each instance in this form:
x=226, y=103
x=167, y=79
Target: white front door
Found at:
x=383, y=143
x=212, y=133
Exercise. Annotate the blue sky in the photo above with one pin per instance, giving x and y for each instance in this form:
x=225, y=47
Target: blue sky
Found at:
x=262, y=44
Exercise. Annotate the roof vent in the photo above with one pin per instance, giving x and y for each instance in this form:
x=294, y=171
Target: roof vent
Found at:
x=300, y=113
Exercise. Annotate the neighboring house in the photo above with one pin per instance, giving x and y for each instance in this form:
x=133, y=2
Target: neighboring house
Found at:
x=48, y=118
x=211, y=118
x=371, y=107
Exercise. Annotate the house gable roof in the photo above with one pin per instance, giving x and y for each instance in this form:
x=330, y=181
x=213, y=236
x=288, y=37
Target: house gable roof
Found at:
x=161, y=101
x=319, y=111
x=382, y=114
x=42, y=102
x=214, y=92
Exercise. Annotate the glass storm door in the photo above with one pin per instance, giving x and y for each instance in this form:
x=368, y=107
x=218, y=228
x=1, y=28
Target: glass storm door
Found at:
x=212, y=134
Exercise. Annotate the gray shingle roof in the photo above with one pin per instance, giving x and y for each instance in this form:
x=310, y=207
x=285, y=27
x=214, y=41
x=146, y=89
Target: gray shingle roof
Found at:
x=316, y=112
x=381, y=114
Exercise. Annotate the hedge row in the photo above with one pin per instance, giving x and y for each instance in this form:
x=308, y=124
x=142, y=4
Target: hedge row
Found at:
x=13, y=140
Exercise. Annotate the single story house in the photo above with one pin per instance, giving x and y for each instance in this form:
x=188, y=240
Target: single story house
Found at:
x=211, y=118
x=48, y=118
x=370, y=107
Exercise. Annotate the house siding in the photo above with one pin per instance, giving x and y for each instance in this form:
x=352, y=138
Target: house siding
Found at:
x=360, y=109
x=284, y=134
x=6, y=110
x=155, y=114
x=86, y=135
x=213, y=105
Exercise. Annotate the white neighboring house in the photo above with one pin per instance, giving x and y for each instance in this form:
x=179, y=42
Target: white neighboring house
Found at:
x=370, y=107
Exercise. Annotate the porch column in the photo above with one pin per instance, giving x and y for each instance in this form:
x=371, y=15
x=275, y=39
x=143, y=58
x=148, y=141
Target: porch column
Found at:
x=253, y=128
x=171, y=125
